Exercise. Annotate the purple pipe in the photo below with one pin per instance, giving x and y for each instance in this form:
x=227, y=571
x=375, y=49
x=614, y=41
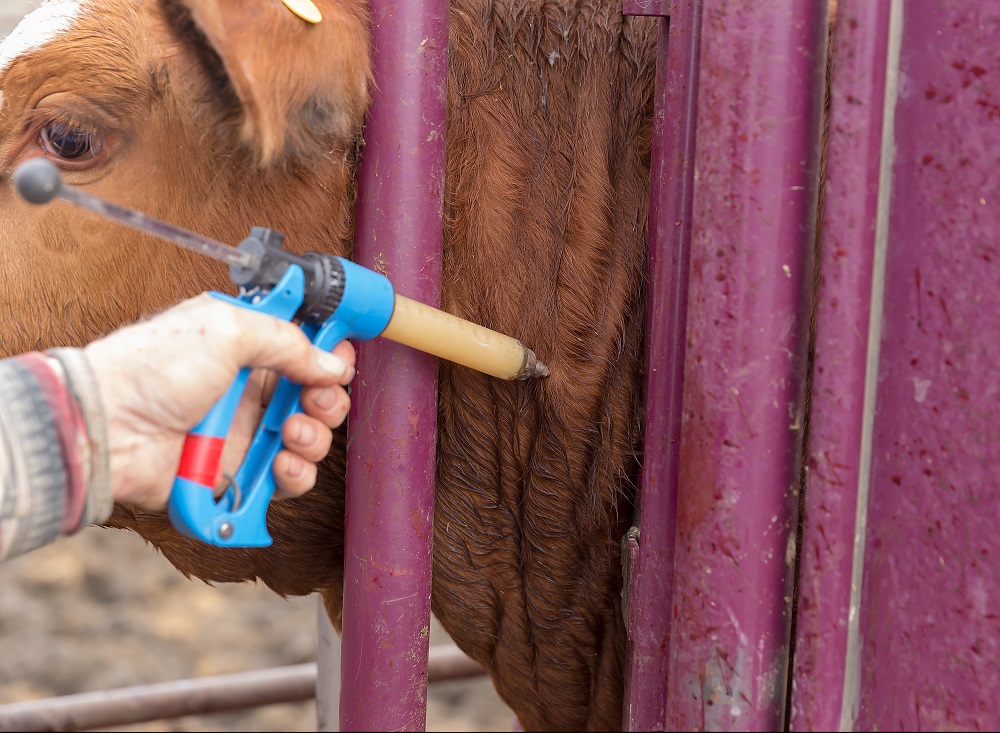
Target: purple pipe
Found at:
x=393, y=418
x=760, y=106
x=838, y=388
x=650, y=553
x=929, y=633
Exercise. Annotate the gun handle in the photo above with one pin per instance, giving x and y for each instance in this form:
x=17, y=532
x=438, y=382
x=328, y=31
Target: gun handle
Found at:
x=192, y=506
x=243, y=522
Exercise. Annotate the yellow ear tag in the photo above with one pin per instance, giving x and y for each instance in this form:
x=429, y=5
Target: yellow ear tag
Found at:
x=305, y=9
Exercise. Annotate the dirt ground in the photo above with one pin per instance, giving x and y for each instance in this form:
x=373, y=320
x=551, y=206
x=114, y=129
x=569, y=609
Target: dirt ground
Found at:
x=102, y=610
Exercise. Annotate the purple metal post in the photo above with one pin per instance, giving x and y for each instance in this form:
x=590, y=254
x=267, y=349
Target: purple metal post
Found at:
x=929, y=634
x=393, y=419
x=841, y=351
x=760, y=103
x=651, y=552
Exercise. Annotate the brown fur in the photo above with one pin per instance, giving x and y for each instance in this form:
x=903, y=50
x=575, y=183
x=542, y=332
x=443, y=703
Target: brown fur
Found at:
x=222, y=114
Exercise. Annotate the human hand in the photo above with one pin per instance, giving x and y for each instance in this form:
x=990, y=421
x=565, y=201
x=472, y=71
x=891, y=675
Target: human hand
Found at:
x=158, y=378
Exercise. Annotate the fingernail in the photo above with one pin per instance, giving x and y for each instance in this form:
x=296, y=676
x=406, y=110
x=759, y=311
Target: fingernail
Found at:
x=306, y=434
x=294, y=467
x=326, y=399
x=331, y=363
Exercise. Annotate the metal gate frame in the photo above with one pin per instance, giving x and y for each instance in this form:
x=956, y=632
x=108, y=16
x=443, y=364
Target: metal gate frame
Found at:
x=897, y=499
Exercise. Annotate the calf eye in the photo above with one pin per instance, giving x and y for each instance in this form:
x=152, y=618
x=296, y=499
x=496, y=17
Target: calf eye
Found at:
x=68, y=142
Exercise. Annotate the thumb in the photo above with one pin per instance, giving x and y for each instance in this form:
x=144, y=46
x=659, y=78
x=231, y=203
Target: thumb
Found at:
x=276, y=344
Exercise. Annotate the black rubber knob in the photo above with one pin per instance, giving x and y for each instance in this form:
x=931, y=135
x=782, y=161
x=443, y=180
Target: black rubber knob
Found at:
x=38, y=180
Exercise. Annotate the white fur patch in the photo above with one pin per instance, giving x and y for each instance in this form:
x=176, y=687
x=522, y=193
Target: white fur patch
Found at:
x=39, y=27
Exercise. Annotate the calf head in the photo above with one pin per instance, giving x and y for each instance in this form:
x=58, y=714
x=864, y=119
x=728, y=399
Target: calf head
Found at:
x=216, y=115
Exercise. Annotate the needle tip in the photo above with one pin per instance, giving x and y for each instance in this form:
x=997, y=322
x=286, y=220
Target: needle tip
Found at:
x=533, y=368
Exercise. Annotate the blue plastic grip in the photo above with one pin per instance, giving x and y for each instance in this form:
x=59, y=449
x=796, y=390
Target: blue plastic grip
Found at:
x=238, y=518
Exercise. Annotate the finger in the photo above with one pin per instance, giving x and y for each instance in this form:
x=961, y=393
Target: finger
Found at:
x=307, y=437
x=266, y=341
x=270, y=381
x=242, y=428
x=327, y=404
x=293, y=475
x=345, y=350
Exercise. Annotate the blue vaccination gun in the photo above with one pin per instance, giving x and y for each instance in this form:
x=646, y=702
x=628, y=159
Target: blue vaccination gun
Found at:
x=332, y=299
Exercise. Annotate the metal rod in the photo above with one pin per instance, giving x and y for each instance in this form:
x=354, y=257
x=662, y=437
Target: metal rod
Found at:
x=38, y=181
x=199, y=696
x=389, y=519
x=651, y=551
x=151, y=225
x=756, y=163
x=850, y=215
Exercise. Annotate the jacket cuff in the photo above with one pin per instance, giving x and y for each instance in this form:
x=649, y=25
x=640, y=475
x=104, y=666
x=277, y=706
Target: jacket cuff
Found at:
x=83, y=386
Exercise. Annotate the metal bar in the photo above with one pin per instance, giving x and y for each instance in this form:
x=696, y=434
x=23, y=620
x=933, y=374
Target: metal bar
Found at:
x=927, y=646
x=760, y=107
x=199, y=696
x=39, y=182
x=393, y=418
x=651, y=551
x=857, y=100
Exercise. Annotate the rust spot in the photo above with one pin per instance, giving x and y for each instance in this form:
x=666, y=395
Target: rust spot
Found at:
x=944, y=308
x=992, y=110
x=920, y=315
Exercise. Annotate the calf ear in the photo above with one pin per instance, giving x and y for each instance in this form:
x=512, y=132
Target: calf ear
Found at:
x=297, y=82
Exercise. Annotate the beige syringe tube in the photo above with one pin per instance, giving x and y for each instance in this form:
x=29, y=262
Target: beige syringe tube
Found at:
x=449, y=337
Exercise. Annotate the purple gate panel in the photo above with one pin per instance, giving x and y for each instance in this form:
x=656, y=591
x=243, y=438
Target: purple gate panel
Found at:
x=839, y=364
x=393, y=418
x=756, y=176
x=929, y=634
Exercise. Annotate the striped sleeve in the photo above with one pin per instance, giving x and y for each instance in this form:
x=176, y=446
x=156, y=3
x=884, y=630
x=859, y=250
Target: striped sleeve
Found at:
x=53, y=450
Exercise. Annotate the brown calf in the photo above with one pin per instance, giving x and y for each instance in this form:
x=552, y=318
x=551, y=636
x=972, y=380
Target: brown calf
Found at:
x=222, y=114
